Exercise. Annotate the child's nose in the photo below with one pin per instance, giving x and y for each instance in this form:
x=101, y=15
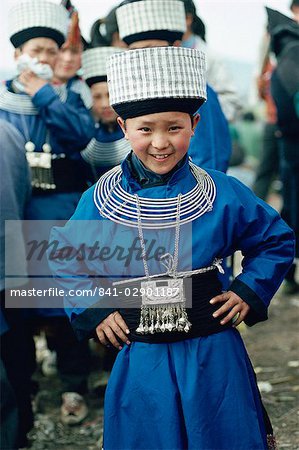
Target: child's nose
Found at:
x=160, y=142
x=105, y=102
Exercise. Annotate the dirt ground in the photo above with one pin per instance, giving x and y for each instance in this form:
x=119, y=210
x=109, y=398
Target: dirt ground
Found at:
x=273, y=348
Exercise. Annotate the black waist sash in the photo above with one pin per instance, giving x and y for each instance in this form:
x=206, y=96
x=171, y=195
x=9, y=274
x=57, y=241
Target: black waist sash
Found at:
x=69, y=176
x=205, y=286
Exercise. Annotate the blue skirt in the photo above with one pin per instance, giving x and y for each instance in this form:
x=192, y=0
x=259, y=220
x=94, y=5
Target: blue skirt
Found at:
x=197, y=394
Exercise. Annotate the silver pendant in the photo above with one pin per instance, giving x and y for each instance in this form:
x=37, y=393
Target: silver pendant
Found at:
x=47, y=148
x=162, y=291
x=29, y=146
x=38, y=159
x=163, y=307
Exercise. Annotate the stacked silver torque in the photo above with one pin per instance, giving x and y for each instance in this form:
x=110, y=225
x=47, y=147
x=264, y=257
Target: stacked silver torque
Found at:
x=114, y=203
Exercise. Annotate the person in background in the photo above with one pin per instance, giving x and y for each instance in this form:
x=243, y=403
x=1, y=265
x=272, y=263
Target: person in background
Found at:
x=56, y=125
x=247, y=141
x=294, y=7
x=15, y=190
x=104, y=32
x=68, y=63
x=69, y=358
x=109, y=147
x=218, y=76
x=269, y=159
x=284, y=33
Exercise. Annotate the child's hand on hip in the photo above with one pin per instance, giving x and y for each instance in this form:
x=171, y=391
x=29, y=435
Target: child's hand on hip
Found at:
x=234, y=305
x=112, y=327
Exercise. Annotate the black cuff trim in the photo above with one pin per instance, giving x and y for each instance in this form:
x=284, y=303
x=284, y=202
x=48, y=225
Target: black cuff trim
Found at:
x=258, y=311
x=84, y=324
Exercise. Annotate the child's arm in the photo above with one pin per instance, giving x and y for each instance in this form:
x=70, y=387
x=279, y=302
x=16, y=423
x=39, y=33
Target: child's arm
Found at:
x=70, y=121
x=69, y=258
x=267, y=245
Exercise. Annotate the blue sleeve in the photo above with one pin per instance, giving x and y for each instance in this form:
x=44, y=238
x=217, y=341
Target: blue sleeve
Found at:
x=15, y=192
x=210, y=147
x=267, y=244
x=71, y=122
x=72, y=274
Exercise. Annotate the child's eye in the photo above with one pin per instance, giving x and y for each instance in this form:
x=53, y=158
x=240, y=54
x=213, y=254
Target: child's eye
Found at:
x=175, y=128
x=145, y=129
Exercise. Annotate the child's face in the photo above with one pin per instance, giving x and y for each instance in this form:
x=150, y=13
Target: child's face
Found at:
x=160, y=140
x=67, y=64
x=101, y=106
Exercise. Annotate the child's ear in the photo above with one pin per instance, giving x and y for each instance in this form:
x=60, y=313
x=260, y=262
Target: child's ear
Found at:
x=177, y=43
x=122, y=123
x=17, y=53
x=195, y=121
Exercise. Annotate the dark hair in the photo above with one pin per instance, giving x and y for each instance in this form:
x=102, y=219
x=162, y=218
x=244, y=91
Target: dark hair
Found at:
x=249, y=116
x=197, y=27
x=126, y=2
x=294, y=3
x=189, y=7
x=99, y=38
x=96, y=37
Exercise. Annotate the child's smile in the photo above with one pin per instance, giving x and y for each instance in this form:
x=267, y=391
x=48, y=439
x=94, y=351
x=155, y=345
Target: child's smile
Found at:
x=160, y=140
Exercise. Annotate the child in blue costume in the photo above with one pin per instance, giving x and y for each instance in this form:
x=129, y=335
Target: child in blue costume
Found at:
x=182, y=378
x=109, y=147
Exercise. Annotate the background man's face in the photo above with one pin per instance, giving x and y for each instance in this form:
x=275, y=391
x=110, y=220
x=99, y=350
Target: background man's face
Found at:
x=44, y=49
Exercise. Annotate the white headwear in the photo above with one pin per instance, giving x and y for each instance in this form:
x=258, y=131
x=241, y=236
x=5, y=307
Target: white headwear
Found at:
x=94, y=63
x=156, y=79
x=151, y=19
x=37, y=18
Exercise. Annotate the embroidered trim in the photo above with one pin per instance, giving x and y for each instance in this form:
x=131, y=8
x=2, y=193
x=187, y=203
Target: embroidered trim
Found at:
x=114, y=203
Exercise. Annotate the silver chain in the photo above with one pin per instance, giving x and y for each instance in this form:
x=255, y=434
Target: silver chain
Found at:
x=175, y=258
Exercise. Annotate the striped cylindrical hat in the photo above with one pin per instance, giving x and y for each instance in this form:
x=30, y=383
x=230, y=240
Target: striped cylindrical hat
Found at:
x=94, y=63
x=36, y=18
x=151, y=19
x=157, y=79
